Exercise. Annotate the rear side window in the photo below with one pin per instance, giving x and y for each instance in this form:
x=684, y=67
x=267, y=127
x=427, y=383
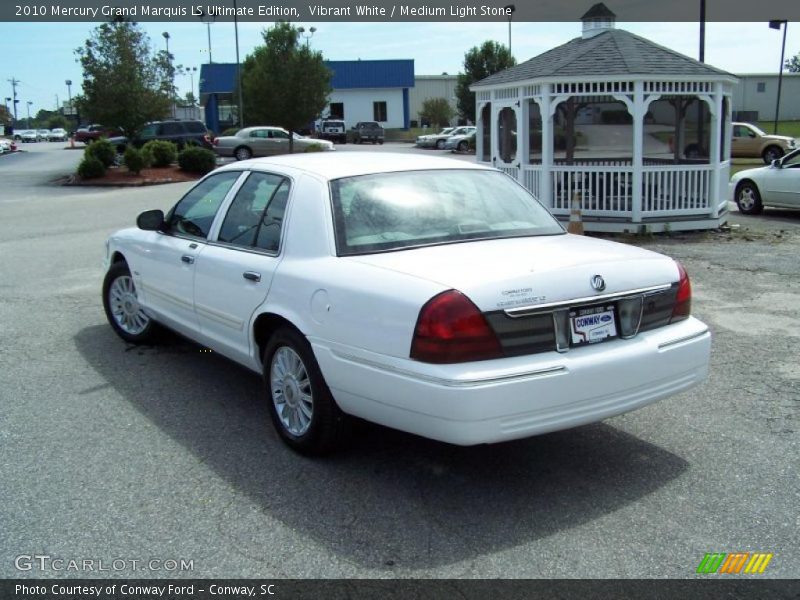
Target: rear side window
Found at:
x=171, y=129
x=195, y=127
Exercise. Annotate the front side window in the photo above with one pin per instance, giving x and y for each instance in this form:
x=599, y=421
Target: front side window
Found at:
x=393, y=211
x=277, y=134
x=256, y=213
x=195, y=212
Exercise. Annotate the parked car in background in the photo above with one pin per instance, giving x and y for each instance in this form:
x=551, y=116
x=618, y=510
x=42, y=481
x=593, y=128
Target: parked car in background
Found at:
x=367, y=131
x=333, y=130
x=44, y=134
x=30, y=135
x=432, y=140
x=88, y=133
x=18, y=134
x=438, y=140
x=749, y=141
x=459, y=143
x=430, y=295
x=263, y=141
x=58, y=135
x=776, y=185
x=180, y=133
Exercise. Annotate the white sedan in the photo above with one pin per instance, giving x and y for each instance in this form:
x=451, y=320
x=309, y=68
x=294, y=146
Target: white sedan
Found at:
x=425, y=294
x=775, y=185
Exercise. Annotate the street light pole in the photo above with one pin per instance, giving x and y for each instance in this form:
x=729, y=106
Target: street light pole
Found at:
x=171, y=74
x=509, y=8
x=208, y=20
x=302, y=31
x=238, y=64
x=777, y=25
x=29, y=113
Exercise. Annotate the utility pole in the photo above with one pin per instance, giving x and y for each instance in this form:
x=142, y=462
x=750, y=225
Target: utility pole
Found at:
x=14, y=83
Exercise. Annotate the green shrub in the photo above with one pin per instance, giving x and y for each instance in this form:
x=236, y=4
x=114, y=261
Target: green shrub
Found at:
x=102, y=150
x=160, y=152
x=91, y=168
x=197, y=160
x=134, y=160
x=315, y=147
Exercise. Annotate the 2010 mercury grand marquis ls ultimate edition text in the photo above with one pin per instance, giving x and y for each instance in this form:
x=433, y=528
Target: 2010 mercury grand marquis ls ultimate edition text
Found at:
x=426, y=294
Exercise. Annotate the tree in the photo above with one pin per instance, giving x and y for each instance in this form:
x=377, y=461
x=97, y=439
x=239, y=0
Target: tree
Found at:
x=5, y=116
x=283, y=82
x=125, y=84
x=436, y=111
x=793, y=64
x=188, y=100
x=479, y=63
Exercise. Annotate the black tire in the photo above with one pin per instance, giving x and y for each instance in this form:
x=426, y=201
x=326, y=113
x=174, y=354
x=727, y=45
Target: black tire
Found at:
x=771, y=153
x=380, y=142
x=242, y=153
x=119, y=271
x=327, y=427
x=463, y=146
x=440, y=144
x=748, y=198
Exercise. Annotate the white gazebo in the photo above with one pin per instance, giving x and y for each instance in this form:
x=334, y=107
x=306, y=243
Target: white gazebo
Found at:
x=637, y=133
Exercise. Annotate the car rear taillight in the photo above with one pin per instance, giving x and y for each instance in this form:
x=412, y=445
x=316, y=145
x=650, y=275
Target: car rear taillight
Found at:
x=451, y=329
x=683, y=300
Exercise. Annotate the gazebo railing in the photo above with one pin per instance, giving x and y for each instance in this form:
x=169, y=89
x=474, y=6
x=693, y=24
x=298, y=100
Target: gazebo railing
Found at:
x=607, y=190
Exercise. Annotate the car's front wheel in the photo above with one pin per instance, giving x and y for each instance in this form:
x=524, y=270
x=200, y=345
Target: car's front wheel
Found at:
x=121, y=303
x=242, y=153
x=748, y=198
x=771, y=153
x=301, y=406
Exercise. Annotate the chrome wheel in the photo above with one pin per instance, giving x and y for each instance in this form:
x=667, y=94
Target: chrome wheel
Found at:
x=243, y=153
x=747, y=199
x=125, y=308
x=290, y=387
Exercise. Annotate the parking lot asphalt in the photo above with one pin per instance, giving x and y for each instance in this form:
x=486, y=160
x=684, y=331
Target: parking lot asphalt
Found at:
x=113, y=451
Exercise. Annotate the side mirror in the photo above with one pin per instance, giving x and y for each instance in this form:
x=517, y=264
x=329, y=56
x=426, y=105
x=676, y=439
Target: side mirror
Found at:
x=776, y=164
x=151, y=220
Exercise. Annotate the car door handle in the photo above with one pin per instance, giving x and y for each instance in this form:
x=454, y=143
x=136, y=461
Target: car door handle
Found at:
x=187, y=259
x=252, y=276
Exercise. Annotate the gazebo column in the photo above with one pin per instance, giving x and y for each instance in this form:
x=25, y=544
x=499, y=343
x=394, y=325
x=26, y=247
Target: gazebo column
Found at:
x=638, y=150
x=479, y=134
x=546, y=181
x=714, y=156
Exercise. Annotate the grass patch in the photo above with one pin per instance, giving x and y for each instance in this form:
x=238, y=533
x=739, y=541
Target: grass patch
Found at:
x=790, y=128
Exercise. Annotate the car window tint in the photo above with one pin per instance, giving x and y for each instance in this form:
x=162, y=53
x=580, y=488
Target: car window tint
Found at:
x=389, y=211
x=171, y=129
x=195, y=127
x=149, y=130
x=258, y=133
x=244, y=215
x=278, y=134
x=195, y=212
x=269, y=234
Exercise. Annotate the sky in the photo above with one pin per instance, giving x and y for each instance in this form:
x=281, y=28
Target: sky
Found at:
x=41, y=55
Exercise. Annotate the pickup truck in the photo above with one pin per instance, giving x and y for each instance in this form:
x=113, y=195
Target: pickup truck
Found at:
x=90, y=133
x=333, y=130
x=367, y=131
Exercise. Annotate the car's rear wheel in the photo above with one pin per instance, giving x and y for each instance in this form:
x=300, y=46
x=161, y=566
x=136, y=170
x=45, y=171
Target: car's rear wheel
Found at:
x=301, y=406
x=771, y=153
x=440, y=144
x=463, y=146
x=121, y=303
x=748, y=198
x=380, y=142
x=242, y=153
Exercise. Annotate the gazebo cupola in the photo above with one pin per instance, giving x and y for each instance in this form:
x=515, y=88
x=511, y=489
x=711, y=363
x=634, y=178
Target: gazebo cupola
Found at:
x=634, y=132
x=597, y=20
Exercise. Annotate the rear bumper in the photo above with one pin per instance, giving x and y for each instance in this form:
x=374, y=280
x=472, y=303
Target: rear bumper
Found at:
x=494, y=401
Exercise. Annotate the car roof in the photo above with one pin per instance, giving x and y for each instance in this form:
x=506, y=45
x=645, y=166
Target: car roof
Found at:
x=334, y=165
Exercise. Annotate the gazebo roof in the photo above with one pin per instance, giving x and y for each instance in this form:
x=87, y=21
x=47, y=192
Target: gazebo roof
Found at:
x=614, y=52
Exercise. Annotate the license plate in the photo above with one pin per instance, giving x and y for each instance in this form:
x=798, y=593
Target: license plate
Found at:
x=592, y=325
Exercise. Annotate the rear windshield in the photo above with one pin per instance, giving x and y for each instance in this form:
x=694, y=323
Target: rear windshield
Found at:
x=393, y=211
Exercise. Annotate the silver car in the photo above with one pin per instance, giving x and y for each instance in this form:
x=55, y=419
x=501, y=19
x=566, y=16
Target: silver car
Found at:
x=263, y=141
